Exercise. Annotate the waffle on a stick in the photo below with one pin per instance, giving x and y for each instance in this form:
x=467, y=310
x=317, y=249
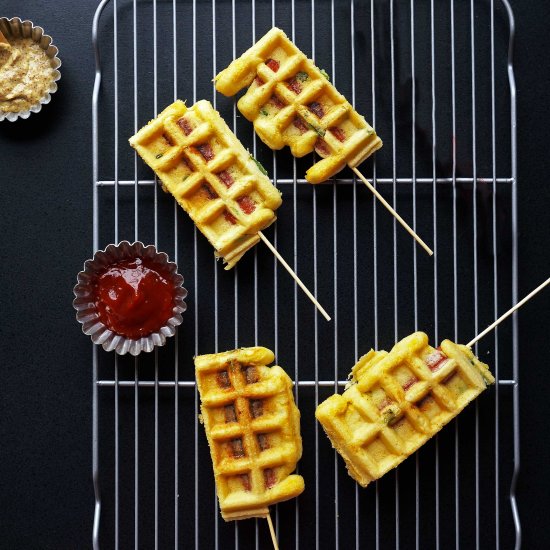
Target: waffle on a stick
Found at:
x=291, y=102
x=395, y=402
x=253, y=430
x=200, y=161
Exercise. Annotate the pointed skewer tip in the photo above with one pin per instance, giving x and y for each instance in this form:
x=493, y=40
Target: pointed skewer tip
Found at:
x=294, y=276
x=392, y=211
x=508, y=313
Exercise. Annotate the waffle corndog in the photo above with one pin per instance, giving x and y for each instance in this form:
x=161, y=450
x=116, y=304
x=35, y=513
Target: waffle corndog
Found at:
x=395, y=402
x=291, y=102
x=227, y=193
x=253, y=430
x=212, y=176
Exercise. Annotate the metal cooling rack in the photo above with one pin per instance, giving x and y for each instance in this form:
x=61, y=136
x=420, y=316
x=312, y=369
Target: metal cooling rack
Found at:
x=436, y=80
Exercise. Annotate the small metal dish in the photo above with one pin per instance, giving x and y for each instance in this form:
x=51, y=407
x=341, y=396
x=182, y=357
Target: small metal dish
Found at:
x=15, y=28
x=86, y=309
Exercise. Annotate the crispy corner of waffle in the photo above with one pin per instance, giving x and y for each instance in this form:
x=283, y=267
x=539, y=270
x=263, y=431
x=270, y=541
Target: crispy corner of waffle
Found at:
x=253, y=429
x=200, y=161
x=291, y=102
x=396, y=401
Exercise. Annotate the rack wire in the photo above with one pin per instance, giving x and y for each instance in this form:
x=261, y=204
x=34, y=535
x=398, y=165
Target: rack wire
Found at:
x=436, y=80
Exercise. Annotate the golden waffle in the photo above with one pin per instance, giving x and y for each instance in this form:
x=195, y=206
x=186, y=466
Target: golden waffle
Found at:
x=253, y=429
x=396, y=401
x=214, y=179
x=291, y=102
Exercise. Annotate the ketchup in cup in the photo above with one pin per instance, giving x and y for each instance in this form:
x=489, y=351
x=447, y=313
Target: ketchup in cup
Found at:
x=134, y=297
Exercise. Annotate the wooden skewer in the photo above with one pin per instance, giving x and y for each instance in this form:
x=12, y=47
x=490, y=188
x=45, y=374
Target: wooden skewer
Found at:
x=294, y=276
x=392, y=211
x=508, y=313
x=272, y=532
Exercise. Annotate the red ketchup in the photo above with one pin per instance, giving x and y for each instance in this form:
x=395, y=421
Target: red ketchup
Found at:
x=134, y=298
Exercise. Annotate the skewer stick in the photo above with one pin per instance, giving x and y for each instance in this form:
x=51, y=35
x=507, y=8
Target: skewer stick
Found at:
x=294, y=276
x=392, y=211
x=508, y=313
x=272, y=532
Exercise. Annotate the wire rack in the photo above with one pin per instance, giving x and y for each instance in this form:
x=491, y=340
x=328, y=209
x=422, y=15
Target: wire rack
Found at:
x=436, y=80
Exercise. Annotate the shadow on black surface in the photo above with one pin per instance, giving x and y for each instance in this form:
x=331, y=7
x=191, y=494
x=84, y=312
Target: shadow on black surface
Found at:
x=39, y=125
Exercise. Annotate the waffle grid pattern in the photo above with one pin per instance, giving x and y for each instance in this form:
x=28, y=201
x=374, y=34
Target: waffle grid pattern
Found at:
x=252, y=426
x=291, y=102
x=397, y=401
x=211, y=175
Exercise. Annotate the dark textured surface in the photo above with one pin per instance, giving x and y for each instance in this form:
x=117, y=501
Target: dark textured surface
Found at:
x=45, y=404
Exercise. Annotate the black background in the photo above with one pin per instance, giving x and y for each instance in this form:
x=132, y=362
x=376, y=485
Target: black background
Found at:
x=46, y=227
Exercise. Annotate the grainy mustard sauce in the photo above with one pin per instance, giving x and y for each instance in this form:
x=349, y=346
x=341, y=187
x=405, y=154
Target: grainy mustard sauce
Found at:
x=25, y=75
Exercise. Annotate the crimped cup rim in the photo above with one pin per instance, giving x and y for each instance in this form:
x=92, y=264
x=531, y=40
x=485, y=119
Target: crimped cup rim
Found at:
x=88, y=317
x=47, y=97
